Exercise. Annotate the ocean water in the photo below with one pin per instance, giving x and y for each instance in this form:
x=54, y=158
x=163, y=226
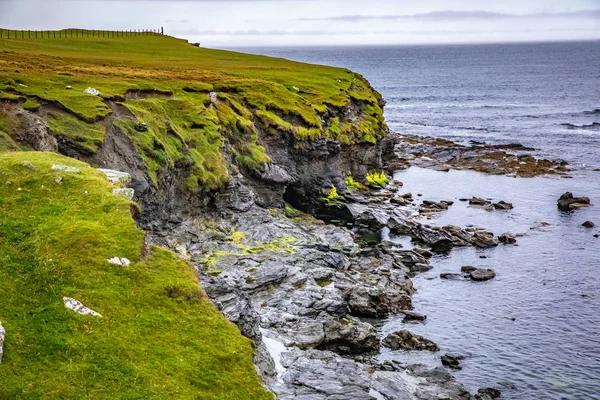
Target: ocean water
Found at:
x=534, y=330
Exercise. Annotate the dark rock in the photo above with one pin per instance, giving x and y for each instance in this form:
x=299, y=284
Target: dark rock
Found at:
x=502, y=205
x=141, y=127
x=451, y=361
x=568, y=202
x=436, y=238
x=476, y=201
x=450, y=275
x=468, y=268
x=413, y=316
x=487, y=394
x=507, y=238
x=352, y=337
x=482, y=275
x=588, y=224
x=405, y=340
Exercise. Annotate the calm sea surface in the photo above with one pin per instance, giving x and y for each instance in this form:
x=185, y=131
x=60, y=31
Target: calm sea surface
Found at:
x=534, y=331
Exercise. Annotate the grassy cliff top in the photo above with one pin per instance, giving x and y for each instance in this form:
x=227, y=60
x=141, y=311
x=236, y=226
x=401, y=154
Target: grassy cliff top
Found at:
x=159, y=337
x=165, y=83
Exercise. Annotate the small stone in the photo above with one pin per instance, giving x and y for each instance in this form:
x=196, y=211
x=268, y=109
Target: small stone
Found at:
x=79, y=308
x=68, y=87
x=2, y=336
x=92, y=91
x=482, y=275
x=116, y=177
x=468, y=269
x=29, y=165
x=65, y=168
x=128, y=193
x=124, y=262
x=213, y=97
x=588, y=224
x=451, y=361
x=58, y=180
x=8, y=183
x=141, y=127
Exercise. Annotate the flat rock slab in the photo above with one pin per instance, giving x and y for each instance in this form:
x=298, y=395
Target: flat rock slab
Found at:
x=115, y=177
x=79, y=308
x=65, y=168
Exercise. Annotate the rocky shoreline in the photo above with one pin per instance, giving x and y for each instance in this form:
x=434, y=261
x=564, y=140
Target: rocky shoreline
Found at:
x=307, y=292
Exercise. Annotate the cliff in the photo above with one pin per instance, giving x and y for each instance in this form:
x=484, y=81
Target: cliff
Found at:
x=205, y=135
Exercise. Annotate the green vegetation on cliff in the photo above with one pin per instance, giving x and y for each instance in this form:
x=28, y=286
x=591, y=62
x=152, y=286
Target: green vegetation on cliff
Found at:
x=159, y=337
x=166, y=84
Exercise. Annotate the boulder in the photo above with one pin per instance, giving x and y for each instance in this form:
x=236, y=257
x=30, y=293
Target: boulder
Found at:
x=484, y=239
x=433, y=237
x=374, y=218
x=451, y=361
x=2, y=336
x=482, y=274
x=588, y=224
x=79, y=308
x=467, y=269
x=487, y=394
x=568, y=202
x=352, y=337
x=502, y=205
x=476, y=201
x=308, y=334
x=507, y=238
x=413, y=316
x=405, y=340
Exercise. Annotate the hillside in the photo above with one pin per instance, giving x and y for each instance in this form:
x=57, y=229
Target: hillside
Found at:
x=197, y=130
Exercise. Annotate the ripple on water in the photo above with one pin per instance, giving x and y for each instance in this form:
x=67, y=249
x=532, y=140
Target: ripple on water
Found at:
x=534, y=330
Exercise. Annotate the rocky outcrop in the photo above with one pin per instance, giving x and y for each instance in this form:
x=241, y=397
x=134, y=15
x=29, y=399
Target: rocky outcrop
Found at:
x=567, y=202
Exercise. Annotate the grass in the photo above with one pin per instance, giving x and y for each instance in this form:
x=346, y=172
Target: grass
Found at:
x=159, y=336
x=87, y=136
x=353, y=185
x=165, y=83
x=377, y=179
x=331, y=197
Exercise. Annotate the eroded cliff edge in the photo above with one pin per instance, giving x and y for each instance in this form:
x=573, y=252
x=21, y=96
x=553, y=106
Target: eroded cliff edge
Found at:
x=231, y=156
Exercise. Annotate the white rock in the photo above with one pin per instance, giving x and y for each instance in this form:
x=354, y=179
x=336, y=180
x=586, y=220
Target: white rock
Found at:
x=2, y=335
x=78, y=307
x=69, y=87
x=116, y=176
x=125, y=192
x=58, y=180
x=297, y=89
x=65, y=168
x=213, y=97
x=92, y=91
x=119, y=261
x=29, y=165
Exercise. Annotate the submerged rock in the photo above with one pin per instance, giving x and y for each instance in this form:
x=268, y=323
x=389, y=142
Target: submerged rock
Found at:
x=413, y=316
x=406, y=340
x=568, y=202
x=467, y=269
x=451, y=361
x=482, y=274
x=487, y=394
x=79, y=308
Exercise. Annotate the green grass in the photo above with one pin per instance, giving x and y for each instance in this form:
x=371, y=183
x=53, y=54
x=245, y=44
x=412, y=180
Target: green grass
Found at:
x=87, y=136
x=159, y=337
x=254, y=93
x=377, y=179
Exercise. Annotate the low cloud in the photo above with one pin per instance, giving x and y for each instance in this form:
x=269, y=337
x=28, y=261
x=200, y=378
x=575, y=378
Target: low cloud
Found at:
x=449, y=15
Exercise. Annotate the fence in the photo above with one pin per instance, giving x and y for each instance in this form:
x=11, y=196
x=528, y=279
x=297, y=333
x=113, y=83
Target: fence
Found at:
x=76, y=33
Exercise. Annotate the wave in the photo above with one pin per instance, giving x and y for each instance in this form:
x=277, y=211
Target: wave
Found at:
x=465, y=128
x=593, y=125
x=592, y=112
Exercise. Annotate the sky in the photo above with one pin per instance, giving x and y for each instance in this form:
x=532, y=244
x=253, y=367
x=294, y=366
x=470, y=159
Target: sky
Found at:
x=238, y=23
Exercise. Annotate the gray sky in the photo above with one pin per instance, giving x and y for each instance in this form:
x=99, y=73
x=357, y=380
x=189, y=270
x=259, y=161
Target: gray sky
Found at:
x=228, y=23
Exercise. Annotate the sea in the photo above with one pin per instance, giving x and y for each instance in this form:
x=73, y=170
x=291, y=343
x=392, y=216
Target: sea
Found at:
x=534, y=331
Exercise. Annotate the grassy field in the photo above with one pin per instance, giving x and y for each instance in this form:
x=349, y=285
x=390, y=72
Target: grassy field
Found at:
x=165, y=83
x=159, y=337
